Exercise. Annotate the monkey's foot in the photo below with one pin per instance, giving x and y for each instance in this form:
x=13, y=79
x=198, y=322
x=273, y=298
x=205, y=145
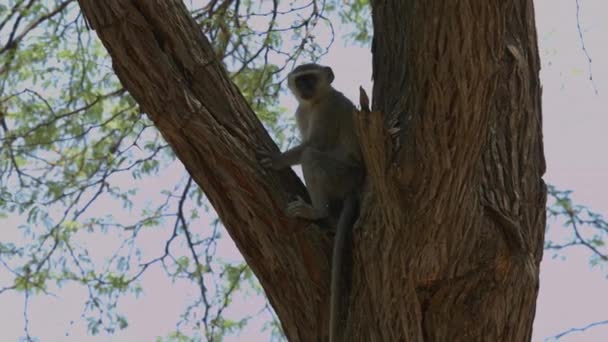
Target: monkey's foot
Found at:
x=299, y=208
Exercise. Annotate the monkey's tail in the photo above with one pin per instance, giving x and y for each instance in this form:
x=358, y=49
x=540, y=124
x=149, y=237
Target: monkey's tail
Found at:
x=346, y=222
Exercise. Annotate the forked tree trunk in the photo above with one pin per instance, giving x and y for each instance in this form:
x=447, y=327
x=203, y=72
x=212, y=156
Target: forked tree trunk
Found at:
x=449, y=239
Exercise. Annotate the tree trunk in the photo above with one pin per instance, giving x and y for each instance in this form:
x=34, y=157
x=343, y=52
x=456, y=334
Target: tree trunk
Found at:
x=457, y=234
x=449, y=238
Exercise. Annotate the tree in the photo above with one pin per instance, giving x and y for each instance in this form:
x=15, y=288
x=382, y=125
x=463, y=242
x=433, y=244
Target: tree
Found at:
x=451, y=229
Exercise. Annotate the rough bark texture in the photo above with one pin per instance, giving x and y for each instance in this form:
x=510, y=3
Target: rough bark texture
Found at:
x=450, y=234
x=458, y=242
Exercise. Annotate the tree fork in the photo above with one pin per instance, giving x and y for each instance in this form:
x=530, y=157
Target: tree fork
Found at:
x=450, y=234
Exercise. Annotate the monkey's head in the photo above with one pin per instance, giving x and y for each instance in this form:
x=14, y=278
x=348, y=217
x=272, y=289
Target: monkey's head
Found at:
x=309, y=82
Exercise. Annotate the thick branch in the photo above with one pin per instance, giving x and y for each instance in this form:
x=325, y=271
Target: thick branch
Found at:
x=169, y=67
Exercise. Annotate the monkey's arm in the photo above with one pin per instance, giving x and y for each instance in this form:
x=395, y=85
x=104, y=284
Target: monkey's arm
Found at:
x=283, y=160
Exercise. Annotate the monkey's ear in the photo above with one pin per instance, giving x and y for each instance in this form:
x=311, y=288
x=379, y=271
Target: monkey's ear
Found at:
x=330, y=74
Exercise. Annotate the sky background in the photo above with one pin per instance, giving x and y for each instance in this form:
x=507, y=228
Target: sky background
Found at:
x=575, y=119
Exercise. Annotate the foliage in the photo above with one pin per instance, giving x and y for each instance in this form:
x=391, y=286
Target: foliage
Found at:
x=90, y=193
x=583, y=227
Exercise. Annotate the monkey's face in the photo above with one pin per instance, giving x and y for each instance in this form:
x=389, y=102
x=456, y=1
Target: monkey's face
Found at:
x=310, y=82
x=306, y=85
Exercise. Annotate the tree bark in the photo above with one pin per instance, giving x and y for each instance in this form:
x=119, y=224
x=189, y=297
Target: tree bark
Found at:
x=449, y=238
x=456, y=255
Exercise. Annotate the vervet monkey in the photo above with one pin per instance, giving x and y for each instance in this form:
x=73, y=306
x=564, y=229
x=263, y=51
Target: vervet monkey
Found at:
x=331, y=163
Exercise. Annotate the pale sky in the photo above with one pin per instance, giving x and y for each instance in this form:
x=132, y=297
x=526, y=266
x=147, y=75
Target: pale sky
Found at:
x=575, y=119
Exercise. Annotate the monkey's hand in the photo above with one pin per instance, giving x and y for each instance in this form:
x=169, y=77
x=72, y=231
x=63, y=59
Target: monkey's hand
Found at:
x=268, y=160
x=299, y=208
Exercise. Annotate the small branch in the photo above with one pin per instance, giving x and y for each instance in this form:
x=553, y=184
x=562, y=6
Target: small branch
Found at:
x=14, y=40
x=580, y=35
x=583, y=241
x=198, y=272
x=572, y=330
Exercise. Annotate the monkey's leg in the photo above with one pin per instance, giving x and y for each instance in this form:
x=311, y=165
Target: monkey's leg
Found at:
x=327, y=179
x=316, y=180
